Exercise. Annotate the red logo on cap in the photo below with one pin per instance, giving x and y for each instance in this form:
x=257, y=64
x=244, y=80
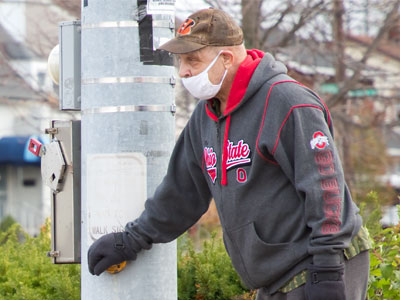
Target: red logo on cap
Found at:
x=186, y=26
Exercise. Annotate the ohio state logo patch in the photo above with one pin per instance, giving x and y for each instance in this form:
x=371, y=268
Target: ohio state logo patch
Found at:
x=237, y=154
x=210, y=159
x=319, y=141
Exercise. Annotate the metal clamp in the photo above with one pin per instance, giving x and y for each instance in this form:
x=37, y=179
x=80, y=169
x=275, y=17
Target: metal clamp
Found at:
x=172, y=81
x=172, y=24
x=51, y=131
x=53, y=253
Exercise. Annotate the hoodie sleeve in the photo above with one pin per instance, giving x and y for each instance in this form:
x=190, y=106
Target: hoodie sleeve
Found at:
x=304, y=148
x=179, y=201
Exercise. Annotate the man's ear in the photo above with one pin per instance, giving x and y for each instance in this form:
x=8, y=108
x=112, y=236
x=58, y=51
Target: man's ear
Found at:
x=227, y=58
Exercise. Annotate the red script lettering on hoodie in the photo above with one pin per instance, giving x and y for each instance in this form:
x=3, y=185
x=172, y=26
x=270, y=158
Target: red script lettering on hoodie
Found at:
x=210, y=159
x=237, y=154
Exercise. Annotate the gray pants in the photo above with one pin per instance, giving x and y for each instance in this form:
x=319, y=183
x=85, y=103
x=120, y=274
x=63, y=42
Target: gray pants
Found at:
x=355, y=276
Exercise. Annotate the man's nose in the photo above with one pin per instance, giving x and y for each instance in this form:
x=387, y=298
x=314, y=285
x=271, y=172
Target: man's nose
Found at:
x=184, y=71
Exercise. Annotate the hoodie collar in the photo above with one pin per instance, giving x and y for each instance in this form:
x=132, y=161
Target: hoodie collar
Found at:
x=242, y=79
x=240, y=83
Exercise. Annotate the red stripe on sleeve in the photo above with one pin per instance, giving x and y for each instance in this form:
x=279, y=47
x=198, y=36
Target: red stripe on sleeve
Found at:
x=284, y=121
x=263, y=121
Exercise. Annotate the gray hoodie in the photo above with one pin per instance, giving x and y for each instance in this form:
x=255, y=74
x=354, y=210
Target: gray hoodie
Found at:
x=270, y=163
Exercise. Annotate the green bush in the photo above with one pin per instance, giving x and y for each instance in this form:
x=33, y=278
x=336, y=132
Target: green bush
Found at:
x=7, y=222
x=384, y=279
x=208, y=274
x=26, y=273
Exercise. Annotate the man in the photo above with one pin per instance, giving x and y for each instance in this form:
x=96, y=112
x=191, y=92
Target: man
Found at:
x=261, y=145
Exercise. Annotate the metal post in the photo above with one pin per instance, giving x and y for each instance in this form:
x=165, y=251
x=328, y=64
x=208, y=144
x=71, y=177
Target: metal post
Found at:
x=127, y=137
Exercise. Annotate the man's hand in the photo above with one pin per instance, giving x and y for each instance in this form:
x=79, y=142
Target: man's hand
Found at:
x=325, y=283
x=110, y=249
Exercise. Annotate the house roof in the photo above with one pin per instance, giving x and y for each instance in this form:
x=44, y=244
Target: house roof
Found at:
x=388, y=48
x=12, y=86
x=13, y=49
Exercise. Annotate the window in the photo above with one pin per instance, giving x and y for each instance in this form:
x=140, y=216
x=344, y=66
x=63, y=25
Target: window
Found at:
x=29, y=182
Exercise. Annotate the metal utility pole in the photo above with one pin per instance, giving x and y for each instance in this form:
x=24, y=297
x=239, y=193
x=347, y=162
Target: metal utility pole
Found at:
x=127, y=103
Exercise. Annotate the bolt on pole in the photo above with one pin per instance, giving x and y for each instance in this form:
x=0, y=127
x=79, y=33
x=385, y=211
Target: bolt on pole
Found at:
x=127, y=103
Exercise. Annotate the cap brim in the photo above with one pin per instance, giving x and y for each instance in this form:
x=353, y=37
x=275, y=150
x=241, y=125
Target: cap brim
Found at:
x=180, y=46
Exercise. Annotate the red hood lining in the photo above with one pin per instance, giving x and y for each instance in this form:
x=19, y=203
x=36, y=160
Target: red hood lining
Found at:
x=242, y=79
x=240, y=82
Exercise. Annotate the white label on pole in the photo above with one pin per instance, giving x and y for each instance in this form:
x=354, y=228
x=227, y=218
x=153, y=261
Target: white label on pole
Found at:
x=116, y=191
x=160, y=7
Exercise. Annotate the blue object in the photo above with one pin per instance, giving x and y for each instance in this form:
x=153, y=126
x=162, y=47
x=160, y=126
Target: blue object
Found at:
x=14, y=150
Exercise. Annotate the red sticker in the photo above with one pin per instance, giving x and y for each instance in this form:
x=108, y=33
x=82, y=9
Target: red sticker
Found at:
x=186, y=27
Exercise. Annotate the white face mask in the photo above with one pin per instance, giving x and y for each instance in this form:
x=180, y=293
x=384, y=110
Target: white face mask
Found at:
x=200, y=86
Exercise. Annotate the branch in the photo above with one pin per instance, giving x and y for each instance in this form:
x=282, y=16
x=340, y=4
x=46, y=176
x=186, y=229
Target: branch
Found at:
x=304, y=17
x=374, y=121
x=72, y=6
x=340, y=97
x=393, y=124
x=214, y=3
x=267, y=32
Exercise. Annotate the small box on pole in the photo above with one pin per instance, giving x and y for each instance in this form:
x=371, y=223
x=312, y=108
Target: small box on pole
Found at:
x=70, y=65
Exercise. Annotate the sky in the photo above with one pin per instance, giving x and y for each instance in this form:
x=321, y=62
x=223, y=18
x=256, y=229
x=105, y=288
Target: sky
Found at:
x=356, y=20
x=184, y=8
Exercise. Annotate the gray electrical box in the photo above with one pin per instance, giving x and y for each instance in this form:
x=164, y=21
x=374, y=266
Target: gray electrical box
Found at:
x=61, y=171
x=70, y=65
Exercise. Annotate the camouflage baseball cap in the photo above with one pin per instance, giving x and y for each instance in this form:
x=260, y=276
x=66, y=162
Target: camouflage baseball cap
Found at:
x=207, y=27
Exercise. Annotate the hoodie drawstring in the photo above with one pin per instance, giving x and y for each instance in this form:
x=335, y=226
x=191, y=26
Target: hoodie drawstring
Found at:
x=224, y=180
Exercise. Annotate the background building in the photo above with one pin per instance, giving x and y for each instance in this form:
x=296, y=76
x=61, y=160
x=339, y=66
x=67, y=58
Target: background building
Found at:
x=28, y=101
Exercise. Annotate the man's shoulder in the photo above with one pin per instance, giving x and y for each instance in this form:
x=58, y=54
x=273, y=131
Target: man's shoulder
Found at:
x=288, y=94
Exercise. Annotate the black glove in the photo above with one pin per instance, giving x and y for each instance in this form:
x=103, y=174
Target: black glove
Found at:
x=325, y=283
x=111, y=249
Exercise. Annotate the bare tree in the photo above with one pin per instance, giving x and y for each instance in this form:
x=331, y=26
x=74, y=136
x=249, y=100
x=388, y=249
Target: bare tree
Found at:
x=21, y=88
x=390, y=19
x=72, y=6
x=251, y=19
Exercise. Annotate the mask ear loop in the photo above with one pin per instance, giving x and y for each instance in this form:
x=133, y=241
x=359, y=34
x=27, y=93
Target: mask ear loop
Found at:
x=211, y=65
x=213, y=62
x=223, y=77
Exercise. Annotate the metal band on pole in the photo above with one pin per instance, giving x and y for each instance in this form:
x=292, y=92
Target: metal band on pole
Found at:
x=131, y=79
x=127, y=24
x=130, y=108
